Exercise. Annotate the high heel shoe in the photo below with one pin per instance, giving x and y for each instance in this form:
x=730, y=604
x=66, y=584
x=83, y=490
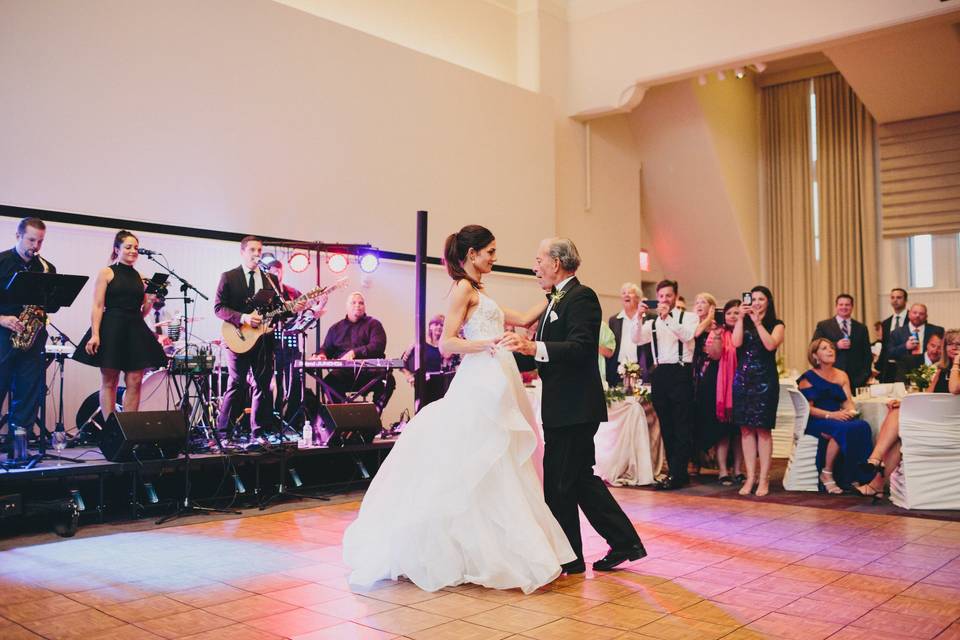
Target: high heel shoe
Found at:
x=869, y=491
x=874, y=466
x=829, y=485
x=747, y=487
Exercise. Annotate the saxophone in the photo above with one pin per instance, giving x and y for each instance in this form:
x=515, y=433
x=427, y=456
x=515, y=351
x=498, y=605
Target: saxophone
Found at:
x=33, y=318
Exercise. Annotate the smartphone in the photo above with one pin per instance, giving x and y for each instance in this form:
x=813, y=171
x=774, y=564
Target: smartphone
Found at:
x=747, y=297
x=651, y=304
x=718, y=317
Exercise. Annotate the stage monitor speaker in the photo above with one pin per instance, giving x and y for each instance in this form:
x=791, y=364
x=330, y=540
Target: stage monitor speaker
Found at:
x=143, y=435
x=351, y=422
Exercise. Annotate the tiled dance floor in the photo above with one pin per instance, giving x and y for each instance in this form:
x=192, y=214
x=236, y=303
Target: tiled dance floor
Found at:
x=717, y=568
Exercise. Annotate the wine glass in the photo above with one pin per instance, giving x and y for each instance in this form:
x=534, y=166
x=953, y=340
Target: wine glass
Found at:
x=59, y=441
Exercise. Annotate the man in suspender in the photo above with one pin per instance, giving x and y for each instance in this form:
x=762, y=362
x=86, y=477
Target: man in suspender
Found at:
x=670, y=334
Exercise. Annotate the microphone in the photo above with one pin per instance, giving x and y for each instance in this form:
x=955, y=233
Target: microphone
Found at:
x=146, y=252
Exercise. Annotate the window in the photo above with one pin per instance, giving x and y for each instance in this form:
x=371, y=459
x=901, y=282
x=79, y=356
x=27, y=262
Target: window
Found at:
x=921, y=261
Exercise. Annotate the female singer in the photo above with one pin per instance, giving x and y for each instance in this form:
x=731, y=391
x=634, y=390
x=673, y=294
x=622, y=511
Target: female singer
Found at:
x=118, y=339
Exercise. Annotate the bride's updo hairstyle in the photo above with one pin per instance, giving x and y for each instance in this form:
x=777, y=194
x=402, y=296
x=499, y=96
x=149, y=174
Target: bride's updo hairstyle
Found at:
x=455, y=249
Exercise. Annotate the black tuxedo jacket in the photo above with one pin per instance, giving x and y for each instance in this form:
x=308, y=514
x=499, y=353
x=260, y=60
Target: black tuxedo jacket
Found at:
x=232, y=295
x=898, y=340
x=572, y=390
x=886, y=365
x=857, y=361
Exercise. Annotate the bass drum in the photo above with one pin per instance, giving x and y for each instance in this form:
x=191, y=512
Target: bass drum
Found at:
x=156, y=394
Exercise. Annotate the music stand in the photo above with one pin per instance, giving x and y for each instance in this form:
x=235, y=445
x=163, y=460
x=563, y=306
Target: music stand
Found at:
x=50, y=291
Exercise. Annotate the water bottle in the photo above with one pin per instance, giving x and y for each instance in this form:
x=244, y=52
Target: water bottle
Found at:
x=307, y=440
x=20, y=444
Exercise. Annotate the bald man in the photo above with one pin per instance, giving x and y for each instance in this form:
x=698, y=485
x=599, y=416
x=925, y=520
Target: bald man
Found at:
x=358, y=337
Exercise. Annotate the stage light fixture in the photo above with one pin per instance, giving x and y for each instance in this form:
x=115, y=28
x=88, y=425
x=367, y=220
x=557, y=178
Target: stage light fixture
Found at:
x=369, y=262
x=337, y=262
x=739, y=72
x=299, y=261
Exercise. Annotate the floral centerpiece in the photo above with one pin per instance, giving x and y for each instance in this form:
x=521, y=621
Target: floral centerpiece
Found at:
x=921, y=376
x=630, y=373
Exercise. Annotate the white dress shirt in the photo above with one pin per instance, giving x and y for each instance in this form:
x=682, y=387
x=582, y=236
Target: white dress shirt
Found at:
x=628, y=348
x=258, y=282
x=670, y=333
x=542, y=355
x=902, y=317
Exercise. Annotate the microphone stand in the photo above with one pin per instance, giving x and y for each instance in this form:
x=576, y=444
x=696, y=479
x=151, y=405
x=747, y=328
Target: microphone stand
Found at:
x=186, y=507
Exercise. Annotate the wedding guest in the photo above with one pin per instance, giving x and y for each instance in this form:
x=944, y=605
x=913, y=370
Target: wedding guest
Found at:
x=607, y=345
x=886, y=451
x=940, y=383
x=670, y=334
x=852, y=340
x=913, y=336
x=886, y=364
x=720, y=347
x=626, y=350
x=930, y=357
x=707, y=430
x=756, y=385
x=833, y=419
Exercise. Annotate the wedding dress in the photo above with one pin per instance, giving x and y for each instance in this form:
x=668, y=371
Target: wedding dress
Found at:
x=458, y=498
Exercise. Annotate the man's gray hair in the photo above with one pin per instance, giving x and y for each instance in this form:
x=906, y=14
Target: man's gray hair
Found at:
x=566, y=252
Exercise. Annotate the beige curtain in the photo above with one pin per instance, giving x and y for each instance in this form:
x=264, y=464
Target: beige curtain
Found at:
x=848, y=212
x=786, y=162
x=803, y=287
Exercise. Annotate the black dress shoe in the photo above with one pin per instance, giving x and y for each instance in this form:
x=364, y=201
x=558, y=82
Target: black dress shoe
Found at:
x=616, y=557
x=573, y=567
x=670, y=483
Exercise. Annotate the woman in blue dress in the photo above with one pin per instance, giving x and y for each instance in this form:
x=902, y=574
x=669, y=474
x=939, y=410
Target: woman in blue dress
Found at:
x=845, y=441
x=756, y=385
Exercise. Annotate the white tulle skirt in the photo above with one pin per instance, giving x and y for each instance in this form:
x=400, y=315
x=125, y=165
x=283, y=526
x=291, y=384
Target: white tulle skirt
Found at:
x=458, y=499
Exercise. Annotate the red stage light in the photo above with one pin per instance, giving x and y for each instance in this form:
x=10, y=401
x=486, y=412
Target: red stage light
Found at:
x=299, y=261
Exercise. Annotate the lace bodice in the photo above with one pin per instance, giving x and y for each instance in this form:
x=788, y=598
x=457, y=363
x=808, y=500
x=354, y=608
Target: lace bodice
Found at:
x=486, y=321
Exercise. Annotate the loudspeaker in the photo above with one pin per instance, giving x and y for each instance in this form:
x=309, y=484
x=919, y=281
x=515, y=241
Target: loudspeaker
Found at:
x=356, y=422
x=143, y=435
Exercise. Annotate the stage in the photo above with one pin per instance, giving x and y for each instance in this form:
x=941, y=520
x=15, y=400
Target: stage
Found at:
x=153, y=488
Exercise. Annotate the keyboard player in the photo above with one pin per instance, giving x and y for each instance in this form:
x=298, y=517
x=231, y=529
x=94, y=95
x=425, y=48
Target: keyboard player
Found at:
x=358, y=337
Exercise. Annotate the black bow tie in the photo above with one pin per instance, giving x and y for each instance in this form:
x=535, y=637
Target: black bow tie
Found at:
x=550, y=293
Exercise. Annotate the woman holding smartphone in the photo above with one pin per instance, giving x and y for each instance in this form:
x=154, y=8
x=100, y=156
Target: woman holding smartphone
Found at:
x=756, y=385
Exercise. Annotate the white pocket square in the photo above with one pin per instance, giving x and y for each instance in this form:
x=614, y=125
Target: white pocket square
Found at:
x=553, y=316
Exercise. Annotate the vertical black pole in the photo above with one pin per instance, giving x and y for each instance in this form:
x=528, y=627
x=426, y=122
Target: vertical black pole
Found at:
x=420, y=313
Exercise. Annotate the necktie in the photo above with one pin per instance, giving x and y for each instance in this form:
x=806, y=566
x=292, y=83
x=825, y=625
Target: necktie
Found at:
x=897, y=318
x=251, y=285
x=846, y=328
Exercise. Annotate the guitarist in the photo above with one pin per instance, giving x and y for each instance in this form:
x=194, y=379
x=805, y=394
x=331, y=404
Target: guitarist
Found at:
x=232, y=305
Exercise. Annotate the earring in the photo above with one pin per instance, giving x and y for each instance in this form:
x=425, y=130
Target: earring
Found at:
x=816, y=362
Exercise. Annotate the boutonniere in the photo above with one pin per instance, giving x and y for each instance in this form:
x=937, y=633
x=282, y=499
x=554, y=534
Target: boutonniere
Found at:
x=557, y=296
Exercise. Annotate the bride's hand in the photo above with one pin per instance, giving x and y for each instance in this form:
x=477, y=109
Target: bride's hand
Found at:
x=518, y=344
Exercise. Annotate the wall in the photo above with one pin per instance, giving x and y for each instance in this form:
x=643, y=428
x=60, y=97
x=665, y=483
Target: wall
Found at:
x=257, y=117
x=389, y=292
x=620, y=43
x=698, y=149
x=943, y=299
x=477, y=34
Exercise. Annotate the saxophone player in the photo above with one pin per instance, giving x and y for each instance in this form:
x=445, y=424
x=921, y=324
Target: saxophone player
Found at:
x=21, y=370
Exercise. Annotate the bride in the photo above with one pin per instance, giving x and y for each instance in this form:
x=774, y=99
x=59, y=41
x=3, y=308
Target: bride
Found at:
x=458, y=498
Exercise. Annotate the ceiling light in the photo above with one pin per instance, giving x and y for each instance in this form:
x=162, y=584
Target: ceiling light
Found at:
x=739, y=72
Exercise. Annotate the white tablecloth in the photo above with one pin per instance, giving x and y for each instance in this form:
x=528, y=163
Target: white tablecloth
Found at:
x=623, y=446
x=623, y=443
x=874, y=411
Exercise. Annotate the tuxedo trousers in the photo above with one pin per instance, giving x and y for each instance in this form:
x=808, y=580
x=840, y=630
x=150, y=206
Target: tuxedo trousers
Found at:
x=259, y=361
x=671, y=391
x=569, y=483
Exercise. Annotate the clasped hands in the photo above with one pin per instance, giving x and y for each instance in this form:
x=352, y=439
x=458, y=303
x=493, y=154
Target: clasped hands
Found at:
x=513, y=342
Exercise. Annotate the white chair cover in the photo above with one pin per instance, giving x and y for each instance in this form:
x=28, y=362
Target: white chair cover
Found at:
x=929, y=473
x=801, y=472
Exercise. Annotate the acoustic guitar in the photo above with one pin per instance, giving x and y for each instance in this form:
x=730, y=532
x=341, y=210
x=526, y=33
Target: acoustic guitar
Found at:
x=243, y=338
